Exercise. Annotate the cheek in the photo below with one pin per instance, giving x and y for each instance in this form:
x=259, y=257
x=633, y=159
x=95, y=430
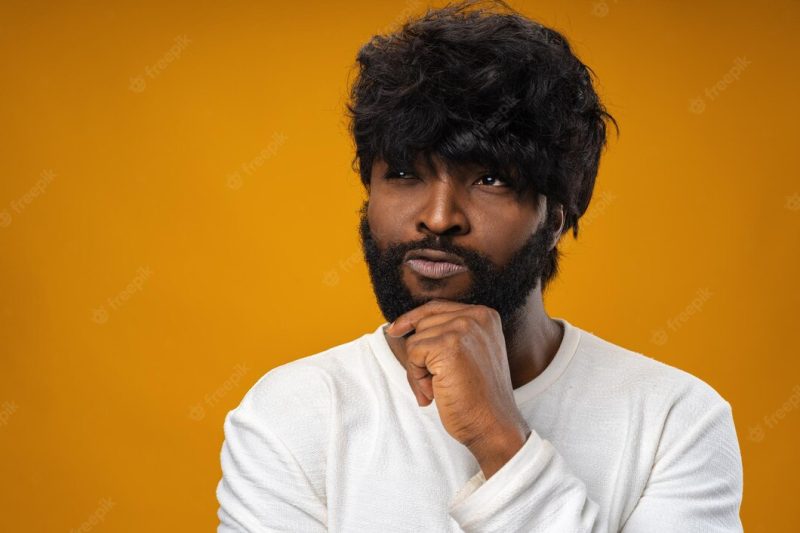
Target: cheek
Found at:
x=389, y=217
x=504, y=232
x=384, y=222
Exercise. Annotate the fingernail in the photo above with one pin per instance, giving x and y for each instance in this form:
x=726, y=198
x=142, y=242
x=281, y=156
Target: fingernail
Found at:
x=389, y=332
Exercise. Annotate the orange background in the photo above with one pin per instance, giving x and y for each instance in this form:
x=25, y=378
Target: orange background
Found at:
x=178, y=216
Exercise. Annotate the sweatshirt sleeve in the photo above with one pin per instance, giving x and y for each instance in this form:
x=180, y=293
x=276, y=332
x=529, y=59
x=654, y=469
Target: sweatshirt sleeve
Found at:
x=696, y=481
x=266, y=484
x=533, y=491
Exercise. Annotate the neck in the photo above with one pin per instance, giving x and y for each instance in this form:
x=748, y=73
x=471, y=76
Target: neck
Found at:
x=530, y=344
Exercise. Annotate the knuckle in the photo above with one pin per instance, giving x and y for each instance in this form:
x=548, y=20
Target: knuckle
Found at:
x=453, y=338
x=462, y=323
x=415, y=353
x=489, y=314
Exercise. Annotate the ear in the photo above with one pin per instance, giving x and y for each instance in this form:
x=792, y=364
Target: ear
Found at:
x=558, y=212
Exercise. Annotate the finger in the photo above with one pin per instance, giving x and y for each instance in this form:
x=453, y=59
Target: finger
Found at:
x=425, y=359
x=407, y=322
x=435, y=325
x=430, y=321
x=422, y=400
x=422, y=379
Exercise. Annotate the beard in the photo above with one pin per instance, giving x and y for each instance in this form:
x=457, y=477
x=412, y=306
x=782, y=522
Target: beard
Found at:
x=505, y=289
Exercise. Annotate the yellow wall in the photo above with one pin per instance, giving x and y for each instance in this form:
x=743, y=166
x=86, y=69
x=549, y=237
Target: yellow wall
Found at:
x=178, y=216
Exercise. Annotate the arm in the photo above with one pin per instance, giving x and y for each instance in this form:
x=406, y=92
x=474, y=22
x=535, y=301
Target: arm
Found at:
x=696, y=481
x=263, y=486
x=695, y=484
x=533, y=491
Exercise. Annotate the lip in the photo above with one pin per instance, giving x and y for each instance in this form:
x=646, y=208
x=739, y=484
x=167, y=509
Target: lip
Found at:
x=435, y=269
x=434, y=255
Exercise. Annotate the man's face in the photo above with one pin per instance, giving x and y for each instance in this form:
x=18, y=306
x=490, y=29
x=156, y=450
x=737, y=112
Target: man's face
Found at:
x=464, y=211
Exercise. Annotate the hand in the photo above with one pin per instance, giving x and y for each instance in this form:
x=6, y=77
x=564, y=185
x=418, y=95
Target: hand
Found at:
x=457, y=355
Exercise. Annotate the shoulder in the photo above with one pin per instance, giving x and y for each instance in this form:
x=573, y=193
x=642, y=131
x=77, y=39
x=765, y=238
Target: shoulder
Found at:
x=634, y=374
x=274, y=457
x=692, y=423
x=687, y=455
x=299, y=396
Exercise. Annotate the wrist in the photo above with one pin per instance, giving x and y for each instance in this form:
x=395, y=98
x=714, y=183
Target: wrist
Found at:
x=496, y=449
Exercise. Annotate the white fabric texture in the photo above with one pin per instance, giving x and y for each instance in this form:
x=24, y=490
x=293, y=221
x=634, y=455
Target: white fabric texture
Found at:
x=620, y=443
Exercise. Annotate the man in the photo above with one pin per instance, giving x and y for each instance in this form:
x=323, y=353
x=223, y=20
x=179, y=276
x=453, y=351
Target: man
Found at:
x=478, y=135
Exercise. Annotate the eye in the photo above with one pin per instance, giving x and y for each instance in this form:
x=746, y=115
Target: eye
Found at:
x=401, y=175
x=400, y=178
x=495, y=180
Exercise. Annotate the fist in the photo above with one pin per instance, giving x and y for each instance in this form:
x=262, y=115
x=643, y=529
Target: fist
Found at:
x=457, y=356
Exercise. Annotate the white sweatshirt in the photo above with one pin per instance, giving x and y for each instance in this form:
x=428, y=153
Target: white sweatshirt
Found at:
x=620, y=442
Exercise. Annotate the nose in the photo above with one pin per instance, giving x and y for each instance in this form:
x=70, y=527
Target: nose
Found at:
x=442, y=212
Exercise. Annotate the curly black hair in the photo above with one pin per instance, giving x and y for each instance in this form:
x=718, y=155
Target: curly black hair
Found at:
x=482, y=85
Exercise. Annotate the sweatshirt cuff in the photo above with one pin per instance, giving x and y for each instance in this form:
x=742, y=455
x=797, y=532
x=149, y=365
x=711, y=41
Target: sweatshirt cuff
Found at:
x=480, y=498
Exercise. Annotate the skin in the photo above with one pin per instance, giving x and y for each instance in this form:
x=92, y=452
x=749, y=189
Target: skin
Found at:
x=457, y=353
